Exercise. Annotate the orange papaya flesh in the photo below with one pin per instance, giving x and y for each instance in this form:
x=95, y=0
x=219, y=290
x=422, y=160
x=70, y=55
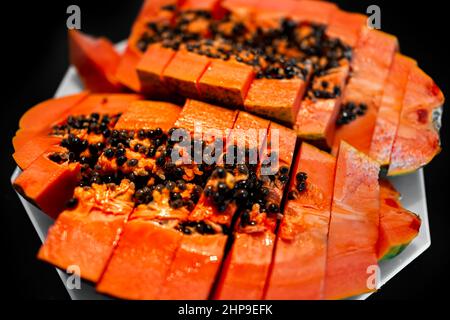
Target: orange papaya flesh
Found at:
x=34, y=148
x=417, y=139
x=47, y=184
x=316, y=118
x=226, y=82
x=42, y=116
x=278, y=99
x=390, y=108
x=96, y=61
x=268, y=13
x=370, y=66
x=183, y=73
x=126, y=70
x=244, y=9
x=346, y=26
x=195, y=266
x=111, y=104
x=299, y=263
x=206, y=116
x=246, y=267
x=151, y=67
x=86, y=235
x=212, y=6
x=316, y=12
x=148, y=115
x=353, y=230
x=398, y=226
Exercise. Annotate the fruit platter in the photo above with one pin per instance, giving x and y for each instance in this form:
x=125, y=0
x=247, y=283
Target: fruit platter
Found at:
x=239, y=149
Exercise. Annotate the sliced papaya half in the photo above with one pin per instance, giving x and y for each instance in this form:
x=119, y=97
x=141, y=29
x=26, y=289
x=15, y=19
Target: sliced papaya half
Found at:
x=390, y=108
x=353, y=231
x=299, y=263
x=84, y=236
x=96, y=61
x=417, y=140
x=398, y=226
x=346, y=26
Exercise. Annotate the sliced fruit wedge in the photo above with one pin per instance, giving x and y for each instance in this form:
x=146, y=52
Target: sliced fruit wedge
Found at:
x=388, y=116
x=316, y=12
x=34, y=148
x=398, y=226
x=353, y=232
x=362, y=97
x=299, y=262
x=346, y=26
x=417, y=140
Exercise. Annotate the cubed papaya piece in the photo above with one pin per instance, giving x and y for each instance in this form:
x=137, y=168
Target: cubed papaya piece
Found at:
x=86, y=235
x=277, y=99
x=183, y=73
x=149, y=115
x=226, y=82
x=206, y=115
x=33, y=149
x=249, y=131
x=316, y=12
x=126, y=70
x=151, y=68
x=346, y=26
x=316, y=118
x=141, y=261
x=47, y=184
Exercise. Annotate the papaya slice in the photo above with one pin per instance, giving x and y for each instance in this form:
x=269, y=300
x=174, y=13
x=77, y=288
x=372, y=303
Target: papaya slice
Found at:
x=299, y=262
x=278, y=99
x=34, y=148
x=126, y=70
x=183, y=73
x=226, y=82
x=353, y=231
x=47, y=184
x=151, y=67
x=41, y=117
x=148, y=115
x=315, y=12
x=242, y=9
x=205, y=115
x=194, y=267
x=398, y=226
x=390, y=108
x=316, y=118
x=96, y=61
x=346, y=26
x=111, y=104
x=417, y=140
x=86, y=235
x=212, y=6
x=371, y=64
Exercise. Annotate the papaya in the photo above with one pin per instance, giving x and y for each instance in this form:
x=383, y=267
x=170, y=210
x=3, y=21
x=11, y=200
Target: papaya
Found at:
x=390, y=107
x=346, y=26
x=316, y=12
x=417, y=139
x=316, y=118
x=151, y=67
x=277, y=99
x=148, y=115
x=354, y=223
x=370, y=66
x=33, y=148
x=213, y=6
x=110, y=104
x=126, y=70
x=299, y=262
x=398, y=226
x=226, y=82
x=96, y=61
x=183, y=72
x=47, y=184
x=86, y=234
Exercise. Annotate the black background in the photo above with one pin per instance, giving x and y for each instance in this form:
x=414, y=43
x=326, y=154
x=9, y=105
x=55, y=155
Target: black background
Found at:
x=34, y=60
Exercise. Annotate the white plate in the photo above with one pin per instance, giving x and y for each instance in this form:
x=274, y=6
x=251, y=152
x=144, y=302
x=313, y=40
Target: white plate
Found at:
x=411, y=186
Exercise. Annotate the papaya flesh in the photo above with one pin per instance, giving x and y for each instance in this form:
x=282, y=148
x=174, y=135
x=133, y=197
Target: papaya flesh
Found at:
x=316, y=118
x=354, y=223
x=346, y=26
x=299, y=262
x=370, y=66
x=47, y=184
x=390, y=108
x=148, y=115
x=398, y=226
x=417, y=140
x=311, y=11
x=278, y=99
x=226, y=82
x=33, y=148
x=96, y=61
x=86, y=235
